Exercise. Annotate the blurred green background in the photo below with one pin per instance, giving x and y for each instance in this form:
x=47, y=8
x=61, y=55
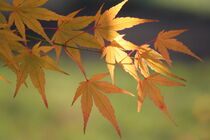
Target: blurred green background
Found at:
x=26, y=118
x=197, y=7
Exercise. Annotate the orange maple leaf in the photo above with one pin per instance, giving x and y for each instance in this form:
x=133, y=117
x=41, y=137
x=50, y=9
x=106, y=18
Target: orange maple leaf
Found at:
x=165, y=40
x=4, y=79
x=147, y=87
x=146, y=57
x=95, y=90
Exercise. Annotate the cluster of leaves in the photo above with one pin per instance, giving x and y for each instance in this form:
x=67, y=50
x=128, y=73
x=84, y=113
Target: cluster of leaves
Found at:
x=146, y=63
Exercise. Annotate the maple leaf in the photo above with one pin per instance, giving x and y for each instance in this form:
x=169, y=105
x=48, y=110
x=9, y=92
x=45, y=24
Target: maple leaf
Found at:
x=3, y=79
x=146, y=57
x=106, y=25
x=165, y=40
x=3, y=21
x=70, y=33
x=116, y=54
x=9, y=42
x=58, y=49
x=33, y=64
x=95, y=90
x=126, y=45
x=147, y=87
x=2, y=18
x=67, y=18
x=27, y=13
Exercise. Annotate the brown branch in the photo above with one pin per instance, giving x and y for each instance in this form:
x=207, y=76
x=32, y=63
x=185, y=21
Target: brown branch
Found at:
x=63, y=45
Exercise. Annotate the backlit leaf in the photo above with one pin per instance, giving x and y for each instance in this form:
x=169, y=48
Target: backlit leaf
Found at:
x=33, y=64
x=146, y=57
x=94, y=90
x=106, y=25
x=70, y=33
x=147, y=87
x=115, y=55
x=165, y=42
x=27, y=13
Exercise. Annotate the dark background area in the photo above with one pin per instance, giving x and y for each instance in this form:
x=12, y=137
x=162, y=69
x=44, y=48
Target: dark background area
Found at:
x=193, y=15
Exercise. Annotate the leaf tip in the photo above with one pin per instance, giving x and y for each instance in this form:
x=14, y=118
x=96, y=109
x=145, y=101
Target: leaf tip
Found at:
x=118, y=132
x=131, y=94
x=84, y=129
x=15, y=94
x=128, y=93
x=66, y=73
x=45, y=101
x=46, y=104
x=152, y=20
x=164, y=109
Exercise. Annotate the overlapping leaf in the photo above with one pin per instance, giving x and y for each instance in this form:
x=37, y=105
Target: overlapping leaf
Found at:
x=70, y=33
x=32, y=64
x=115, y=53
x=57, y=48
x=27, y=13
x=9, y=42
x=94, y=90
x=147, y=87
x=3, y=21
x=165, y=40
x=106, y=25
x=146, y=57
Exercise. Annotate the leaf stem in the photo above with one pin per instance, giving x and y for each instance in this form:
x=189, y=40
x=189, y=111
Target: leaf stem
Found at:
x=149, y=41
x=50, y=28
x=132, y=51
x=63, y=45
x=78, y=64
x=88, y=30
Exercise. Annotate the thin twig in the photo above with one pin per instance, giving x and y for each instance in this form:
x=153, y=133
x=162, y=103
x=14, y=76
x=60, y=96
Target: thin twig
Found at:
x=63, y=45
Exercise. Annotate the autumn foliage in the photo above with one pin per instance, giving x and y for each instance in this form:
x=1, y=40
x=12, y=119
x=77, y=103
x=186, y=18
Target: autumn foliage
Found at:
x=147, y=63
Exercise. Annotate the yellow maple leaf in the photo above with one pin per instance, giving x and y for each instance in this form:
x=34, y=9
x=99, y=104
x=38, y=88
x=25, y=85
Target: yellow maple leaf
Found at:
x=126, y=45
x=115, y=53
x=32, y=64
x=106, y=25
x=3, y=21
x=27, y=13
x=70, y=33
x=9, y=42
x=146, y=57
x=95, y=90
